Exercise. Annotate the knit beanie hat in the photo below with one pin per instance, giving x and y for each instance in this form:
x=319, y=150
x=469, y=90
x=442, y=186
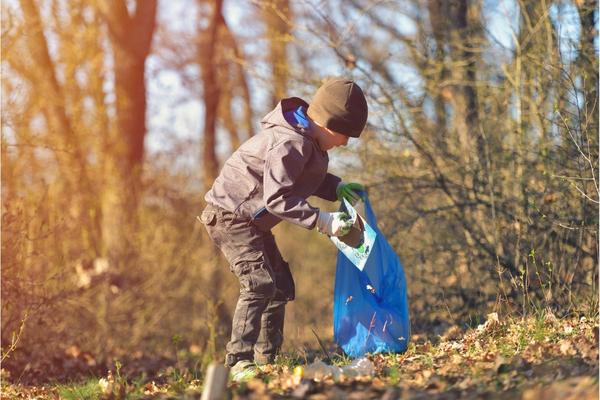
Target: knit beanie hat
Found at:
x=340, y=105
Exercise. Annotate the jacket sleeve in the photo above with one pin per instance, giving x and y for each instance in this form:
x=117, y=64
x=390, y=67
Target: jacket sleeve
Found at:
x=284, y=163
x=328, y=187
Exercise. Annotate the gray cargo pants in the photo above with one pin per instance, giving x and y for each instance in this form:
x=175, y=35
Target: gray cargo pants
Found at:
x=266, y=285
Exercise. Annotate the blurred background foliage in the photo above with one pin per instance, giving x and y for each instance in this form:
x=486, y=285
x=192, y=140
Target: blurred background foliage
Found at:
x=481, y=158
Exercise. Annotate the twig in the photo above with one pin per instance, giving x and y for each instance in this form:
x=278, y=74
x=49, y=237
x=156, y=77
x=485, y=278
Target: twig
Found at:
x=322, y=347
x=15, y=338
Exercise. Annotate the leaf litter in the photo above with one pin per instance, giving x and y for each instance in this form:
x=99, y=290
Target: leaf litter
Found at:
x=512, y=358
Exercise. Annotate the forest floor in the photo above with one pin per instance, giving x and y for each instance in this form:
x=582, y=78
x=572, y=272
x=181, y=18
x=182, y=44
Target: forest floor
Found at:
x=517, y=358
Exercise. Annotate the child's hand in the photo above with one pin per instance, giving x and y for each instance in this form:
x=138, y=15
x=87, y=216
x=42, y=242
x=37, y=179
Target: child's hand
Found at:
x=348, y=191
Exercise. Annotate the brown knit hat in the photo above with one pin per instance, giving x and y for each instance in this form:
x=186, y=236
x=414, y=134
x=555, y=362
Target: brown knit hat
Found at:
x=340, y=105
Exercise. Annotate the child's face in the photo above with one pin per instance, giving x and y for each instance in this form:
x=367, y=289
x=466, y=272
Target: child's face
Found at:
x=330, y=139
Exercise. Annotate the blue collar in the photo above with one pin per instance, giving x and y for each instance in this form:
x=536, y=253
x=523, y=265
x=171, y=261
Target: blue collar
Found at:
x=297, y=118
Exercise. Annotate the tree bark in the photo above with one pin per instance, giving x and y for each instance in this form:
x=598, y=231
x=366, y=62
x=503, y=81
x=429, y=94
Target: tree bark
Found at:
x=588, y=59
x=463, y=51
x=212, y=94
x=276, y=14
x=208, y=59
x=75, y=178
x=55, y=110
x=131, y=37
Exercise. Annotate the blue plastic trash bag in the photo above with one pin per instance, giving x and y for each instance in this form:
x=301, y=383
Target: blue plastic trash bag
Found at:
x=370, y=307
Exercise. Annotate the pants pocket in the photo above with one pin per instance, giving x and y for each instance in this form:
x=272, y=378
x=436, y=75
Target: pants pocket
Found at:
x=255, y=276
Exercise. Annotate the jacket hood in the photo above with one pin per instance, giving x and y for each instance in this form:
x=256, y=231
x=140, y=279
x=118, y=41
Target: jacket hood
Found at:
x=276, y=117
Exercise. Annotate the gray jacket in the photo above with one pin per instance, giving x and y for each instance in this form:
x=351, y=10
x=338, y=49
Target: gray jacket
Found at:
x=270, y=176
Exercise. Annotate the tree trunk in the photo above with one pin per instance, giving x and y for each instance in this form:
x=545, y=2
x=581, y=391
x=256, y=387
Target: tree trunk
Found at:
x=463, y=50
x=588, y=59
x=208, y=53
x=131, y=37
x=276, y=14
x=211, y=94
x=74, y=172
x=439, y=32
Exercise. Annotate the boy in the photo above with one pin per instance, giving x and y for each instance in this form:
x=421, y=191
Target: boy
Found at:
x=266, y=180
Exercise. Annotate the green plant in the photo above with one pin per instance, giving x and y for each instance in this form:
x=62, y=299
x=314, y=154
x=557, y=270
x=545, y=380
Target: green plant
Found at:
x=88, y=390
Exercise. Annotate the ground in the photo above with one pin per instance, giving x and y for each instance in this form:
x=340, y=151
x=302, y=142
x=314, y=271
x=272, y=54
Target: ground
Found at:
x=540, y=357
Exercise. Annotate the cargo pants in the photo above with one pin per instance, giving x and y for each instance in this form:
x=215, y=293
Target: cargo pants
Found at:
x=266, y=285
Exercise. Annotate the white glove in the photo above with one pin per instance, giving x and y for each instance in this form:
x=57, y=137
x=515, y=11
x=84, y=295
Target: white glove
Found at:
x=334, y=224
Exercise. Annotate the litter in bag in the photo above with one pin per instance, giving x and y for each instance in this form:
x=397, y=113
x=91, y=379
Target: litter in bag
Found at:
x=357, y=244
x=370, y=306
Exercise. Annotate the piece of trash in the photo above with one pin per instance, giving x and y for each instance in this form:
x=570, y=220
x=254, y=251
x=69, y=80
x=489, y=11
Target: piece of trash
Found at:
x=568, y=330
x=104, y=385
x=359, y=367
x=215, y=382
x=355, y=237
x=491, y=323
x=357, y=244
x=318, y=371
x=371, y=289
x=348, y=300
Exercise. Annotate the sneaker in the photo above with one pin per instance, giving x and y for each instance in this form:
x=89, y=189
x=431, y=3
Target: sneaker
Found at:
x=243, y=371
x=261, y=360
